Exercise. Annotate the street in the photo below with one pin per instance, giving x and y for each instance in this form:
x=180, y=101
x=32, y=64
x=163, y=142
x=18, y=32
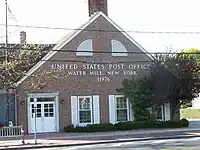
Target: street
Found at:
x=171, y=144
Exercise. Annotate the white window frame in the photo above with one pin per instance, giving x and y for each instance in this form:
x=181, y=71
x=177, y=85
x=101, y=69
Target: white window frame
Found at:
x=87, y=48
x=117, y=48
x=91, y=110
x=127, y=105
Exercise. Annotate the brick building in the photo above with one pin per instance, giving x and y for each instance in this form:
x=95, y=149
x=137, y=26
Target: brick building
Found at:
x=93, y=61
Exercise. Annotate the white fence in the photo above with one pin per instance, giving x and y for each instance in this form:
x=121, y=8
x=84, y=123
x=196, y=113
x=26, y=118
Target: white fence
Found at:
x=12, y=133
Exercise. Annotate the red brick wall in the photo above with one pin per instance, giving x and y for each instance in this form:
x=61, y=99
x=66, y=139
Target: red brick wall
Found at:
x=88, y=85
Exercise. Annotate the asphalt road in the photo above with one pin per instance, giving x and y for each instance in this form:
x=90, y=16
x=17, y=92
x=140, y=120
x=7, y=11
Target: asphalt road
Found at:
x=172, y=144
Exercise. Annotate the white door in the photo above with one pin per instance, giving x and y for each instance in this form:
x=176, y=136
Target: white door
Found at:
x=45, y=117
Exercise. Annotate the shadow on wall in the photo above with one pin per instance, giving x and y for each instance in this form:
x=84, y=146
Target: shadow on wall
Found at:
x=3, y=108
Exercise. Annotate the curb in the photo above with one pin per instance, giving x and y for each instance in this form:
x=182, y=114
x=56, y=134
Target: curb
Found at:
x=95, y=143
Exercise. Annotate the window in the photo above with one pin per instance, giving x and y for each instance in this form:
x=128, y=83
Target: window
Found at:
x=159, y=112
x=122, y=108
x=38, y=112
x=48, y=110
x=85, y=48
x=118, y=49
x=85, y=110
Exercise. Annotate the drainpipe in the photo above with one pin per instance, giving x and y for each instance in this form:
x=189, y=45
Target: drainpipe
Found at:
x=92, y=108
x=16, y=108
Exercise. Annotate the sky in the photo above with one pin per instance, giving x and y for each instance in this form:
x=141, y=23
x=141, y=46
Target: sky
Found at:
x=131, y=15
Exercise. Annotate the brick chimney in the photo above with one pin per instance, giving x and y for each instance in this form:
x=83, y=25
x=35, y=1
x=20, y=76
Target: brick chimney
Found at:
x=97, y=6
x=22, y=37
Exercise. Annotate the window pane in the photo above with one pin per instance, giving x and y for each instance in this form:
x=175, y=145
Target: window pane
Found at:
x=121, y=102
x=84, y=103
x=122, y=115
x=46, y=99
x=51, y=114
x=85, y=116
x=158, y=112
x=39, y=114
x=38, y=105
x=46, y=114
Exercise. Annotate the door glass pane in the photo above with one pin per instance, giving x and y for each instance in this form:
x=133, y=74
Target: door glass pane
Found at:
x=38, y=110
x=51, y=105
x=48, y=110
x=50, y=114
x=45, y=105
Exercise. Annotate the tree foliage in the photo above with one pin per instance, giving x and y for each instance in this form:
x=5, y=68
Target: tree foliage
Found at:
x=182, y=84
x=140, y=97
x=173, y=78
x=15, y=67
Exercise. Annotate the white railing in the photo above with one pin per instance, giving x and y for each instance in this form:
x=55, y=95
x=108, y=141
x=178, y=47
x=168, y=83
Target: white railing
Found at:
x=12, y=132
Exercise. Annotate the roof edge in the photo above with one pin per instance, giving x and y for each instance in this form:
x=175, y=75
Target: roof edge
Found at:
x=62, y=42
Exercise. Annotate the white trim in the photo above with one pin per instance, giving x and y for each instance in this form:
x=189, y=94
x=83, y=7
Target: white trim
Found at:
x=117, y=45
x=125, y=34
x=28, y=112
x=16, y=110
x=37, y=95
x=57, y=113
x=41, y=95
x=68, y=38
x=91, y=109
x=57, y=47
x=127, y=105
x=82, y=47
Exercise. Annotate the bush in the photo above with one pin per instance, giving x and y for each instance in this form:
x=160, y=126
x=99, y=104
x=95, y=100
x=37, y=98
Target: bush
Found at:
x=184, y=122
x=91, y=128
x=130, y=125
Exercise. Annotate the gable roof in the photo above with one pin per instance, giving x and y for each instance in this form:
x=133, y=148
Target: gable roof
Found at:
x=66, y=39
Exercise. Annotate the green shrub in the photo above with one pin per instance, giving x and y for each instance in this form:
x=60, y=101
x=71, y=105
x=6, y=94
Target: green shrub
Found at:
x=91, y=128
x=101, y=127
x=154, y=124
x=124, y=126
x=190, y=113
x=184, y=122
x=130, y=125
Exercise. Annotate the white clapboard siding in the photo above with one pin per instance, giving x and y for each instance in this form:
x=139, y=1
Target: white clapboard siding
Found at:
x=74, y=110
x=167, y=111
x=96, y=109
x=112, y=112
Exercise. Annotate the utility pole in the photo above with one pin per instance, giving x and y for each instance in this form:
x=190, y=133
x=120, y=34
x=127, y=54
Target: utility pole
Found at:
x=6, y=63
x=6, y=44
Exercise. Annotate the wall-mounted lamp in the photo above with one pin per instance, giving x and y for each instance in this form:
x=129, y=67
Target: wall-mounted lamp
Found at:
x=22, y=102
x=62, y=101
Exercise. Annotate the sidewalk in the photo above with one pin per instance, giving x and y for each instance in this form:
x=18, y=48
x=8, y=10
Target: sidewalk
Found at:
x=69, y=139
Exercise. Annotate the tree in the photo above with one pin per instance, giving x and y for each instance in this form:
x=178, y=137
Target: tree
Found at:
x=139, y=93
x=173, y=78
x=193, y=52
x=15, y=67
x=182, y=83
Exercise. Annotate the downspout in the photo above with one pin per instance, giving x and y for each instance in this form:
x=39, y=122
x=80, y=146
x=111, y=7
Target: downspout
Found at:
x=16, y=108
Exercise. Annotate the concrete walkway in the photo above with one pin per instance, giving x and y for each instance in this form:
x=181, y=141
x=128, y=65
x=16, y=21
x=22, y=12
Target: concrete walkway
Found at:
x=69, y=139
